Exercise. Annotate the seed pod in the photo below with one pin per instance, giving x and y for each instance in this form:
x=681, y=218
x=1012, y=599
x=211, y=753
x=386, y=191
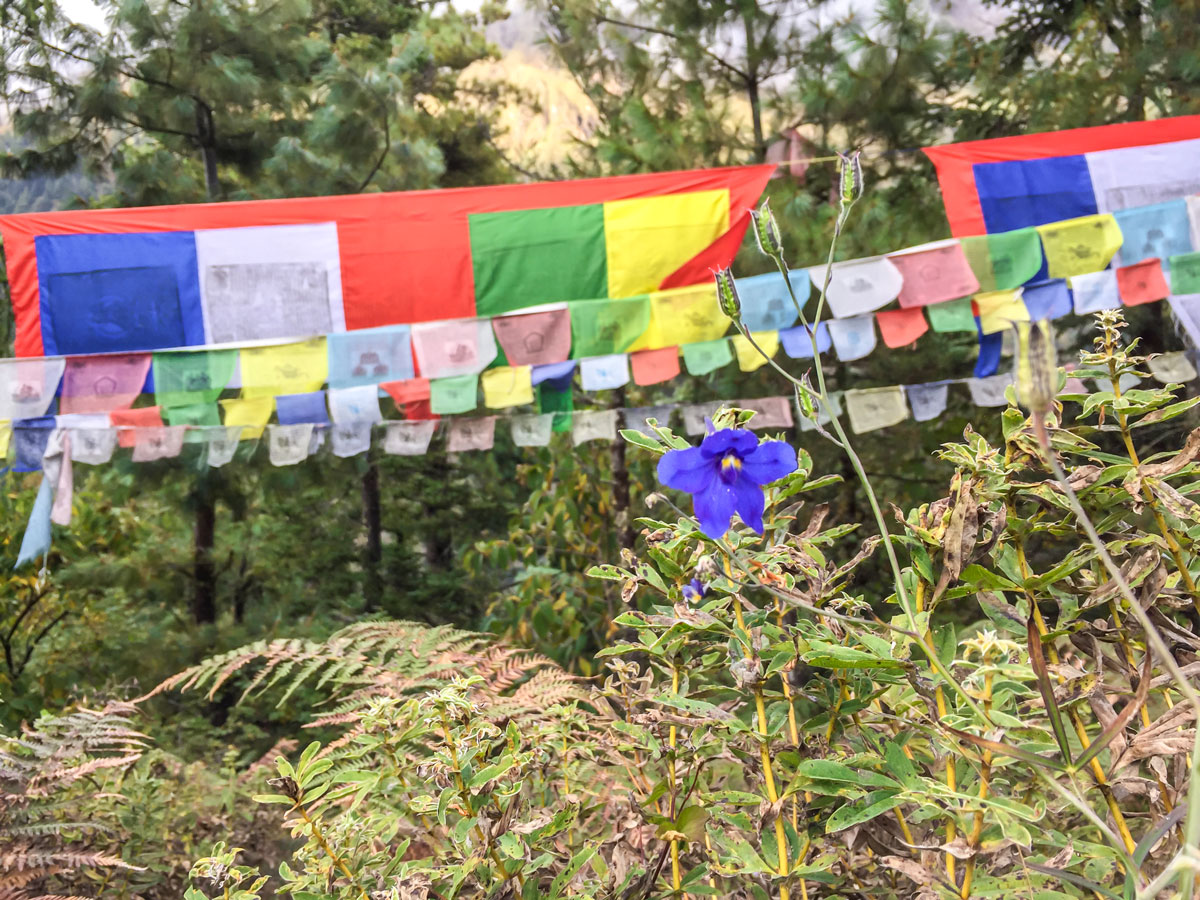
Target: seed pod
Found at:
x=1037, y=366
x=766, y=230
x=851, y=176
x=727, y=294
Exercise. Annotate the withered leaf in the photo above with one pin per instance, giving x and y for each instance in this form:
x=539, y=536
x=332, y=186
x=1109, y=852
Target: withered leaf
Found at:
x=960, y=536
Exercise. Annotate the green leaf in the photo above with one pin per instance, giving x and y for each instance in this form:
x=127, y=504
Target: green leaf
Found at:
x=690, y=822
x=641, y=440
x=853, y=813
x=828, y=770
x=578, y=861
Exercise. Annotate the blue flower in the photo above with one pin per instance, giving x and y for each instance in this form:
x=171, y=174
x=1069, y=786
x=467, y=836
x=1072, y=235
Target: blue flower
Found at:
x=694, y=590
x=725, y=475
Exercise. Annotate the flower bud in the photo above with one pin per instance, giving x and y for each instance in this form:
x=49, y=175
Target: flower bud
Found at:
x=851, y=176
x=727, y=294
x=766, y=230
x=1037, y=367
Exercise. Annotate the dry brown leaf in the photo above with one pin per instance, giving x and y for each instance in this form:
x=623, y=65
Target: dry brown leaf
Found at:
x=910, y=868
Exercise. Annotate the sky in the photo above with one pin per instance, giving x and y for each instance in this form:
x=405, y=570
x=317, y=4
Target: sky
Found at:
x=83, y=11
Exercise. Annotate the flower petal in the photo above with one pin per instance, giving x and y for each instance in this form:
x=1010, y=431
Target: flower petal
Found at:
x=739, y=440
x=748, y=501
x=769, y=462
x=714, y=508
x=687, y=470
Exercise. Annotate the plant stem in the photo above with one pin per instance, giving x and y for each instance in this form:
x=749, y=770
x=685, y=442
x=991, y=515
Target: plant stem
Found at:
x=768, y=772
x=676, y=878
x=985, y=774
x=328, y=850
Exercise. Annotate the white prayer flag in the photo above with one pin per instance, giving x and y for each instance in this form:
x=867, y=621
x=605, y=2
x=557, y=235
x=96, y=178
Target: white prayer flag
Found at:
x=603, y=373
x=858, y=286
x=1095, y=291
x=875, y=408
x=637, y=418
x=1171, y=368
x=594, y=425
x=409, y=438
x=471, y=434
x=990, y=391
x=772, y=412
x=928, y=401
x=355, y=405
x=351, y=438
x=694, y=415
x=222, y=443
x=157, y=442
x=531, y=430
x=27, y=386
x=287, y=445
x=852, y=338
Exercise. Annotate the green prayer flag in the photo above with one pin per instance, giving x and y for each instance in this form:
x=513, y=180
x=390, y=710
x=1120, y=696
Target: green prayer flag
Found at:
x=708, y=356
x=954, y=315
x=1004, y=260
x=198, y=414
x=530, y=256
x=1185, y=273
x=561, y=403
x=604, y=327
x=458, y=394
x=196, y=376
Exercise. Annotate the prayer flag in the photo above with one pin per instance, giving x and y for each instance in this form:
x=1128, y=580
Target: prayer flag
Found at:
x=638, y=418
x=531, y=430
x=507, y=386
x=901, y=327
x=103, y=383
x=1142, y=282
x=1169, y=368
x=990, y=391
x=604, y=327
x=875, y=408
x=751, y=358
x=164, y=442
x=287, y=445
x=928, y=401
x=594, y=425
x=27, y=386
x=1095, y=291
x=957, y=315
x=370, y=356
x=128, y=421
x=998, y=310
x=30, y=437
x=223, y=443
x=1185, y=273
x=852, y=338
x=355, y=404
x=448, y=349
x=654, y=366
x=296, y=368
x=36, y=540
x=249, y=413
x=409, y=438
x=766, y=303
x=350, y=438
x=1080, y=246
x=682, y=316
x=459, y=394
x=694, y=415
x=296, y=409
x=534, y=339
x=1047, y=299
x=198, y=376
x=771, y=412
x=798, y=342
x=1005, y=259
x=934, y=274
x=1160, y=231
x=859, y=286
x=105, y=280
x=602, y=373
x=471, y=434
x=701, y=359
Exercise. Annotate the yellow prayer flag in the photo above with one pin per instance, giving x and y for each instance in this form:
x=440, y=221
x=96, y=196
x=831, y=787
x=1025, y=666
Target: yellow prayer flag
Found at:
x=298, y=368
x=748, y=357
x=998, y=310
x=648, y=238
x=5, y=437
x=253, y=413
x=507, y=386
x=1079, y=246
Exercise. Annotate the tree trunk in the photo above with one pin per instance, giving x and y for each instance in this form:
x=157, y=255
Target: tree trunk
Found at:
x=752, y=85
x=372, y=522
x=204, y=573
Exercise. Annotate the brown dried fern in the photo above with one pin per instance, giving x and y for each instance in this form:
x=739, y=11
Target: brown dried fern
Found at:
x=47, y=776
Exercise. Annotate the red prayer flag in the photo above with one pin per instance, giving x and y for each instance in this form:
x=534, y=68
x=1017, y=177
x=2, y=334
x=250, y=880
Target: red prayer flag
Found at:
x=654, y=366
x=900, y=327
x=1142, y=282
x=128, y=419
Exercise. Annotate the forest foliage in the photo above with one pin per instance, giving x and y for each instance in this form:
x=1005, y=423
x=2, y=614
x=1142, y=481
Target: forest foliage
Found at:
x=987, y=714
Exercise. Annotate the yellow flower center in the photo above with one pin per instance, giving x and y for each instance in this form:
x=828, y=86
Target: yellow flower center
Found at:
x=730, y=462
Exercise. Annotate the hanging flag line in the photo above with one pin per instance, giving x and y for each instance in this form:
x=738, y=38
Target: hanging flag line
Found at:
x=978, y=284
x=55, y=443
